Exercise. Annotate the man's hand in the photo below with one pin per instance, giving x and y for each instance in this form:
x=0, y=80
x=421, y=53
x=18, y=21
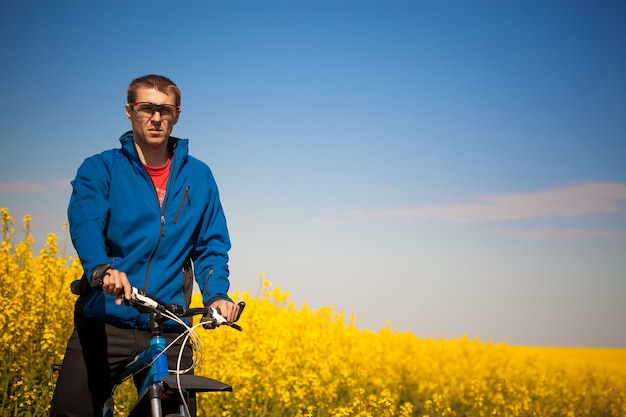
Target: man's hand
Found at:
x=228, y=310
x=116, y=283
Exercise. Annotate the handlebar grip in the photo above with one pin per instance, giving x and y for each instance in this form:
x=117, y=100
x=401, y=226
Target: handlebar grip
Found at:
x=97, y=276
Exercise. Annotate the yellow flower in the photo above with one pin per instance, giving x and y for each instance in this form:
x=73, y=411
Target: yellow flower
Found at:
x=304, y=361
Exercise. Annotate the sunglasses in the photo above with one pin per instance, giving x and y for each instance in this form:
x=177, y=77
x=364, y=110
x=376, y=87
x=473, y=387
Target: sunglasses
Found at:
x=144, y=108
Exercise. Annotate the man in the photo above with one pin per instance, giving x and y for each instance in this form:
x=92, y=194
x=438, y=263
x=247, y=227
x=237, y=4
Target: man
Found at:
x=140, y=215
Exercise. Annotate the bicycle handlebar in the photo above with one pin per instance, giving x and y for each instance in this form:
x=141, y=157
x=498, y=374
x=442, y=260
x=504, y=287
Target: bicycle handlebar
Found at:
x=139, y=299
x=211, y=317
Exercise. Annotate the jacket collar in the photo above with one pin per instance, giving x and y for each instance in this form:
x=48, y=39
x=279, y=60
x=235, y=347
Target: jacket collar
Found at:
x=179, y=148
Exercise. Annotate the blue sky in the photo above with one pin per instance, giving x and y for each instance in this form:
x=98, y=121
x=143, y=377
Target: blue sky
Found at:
x=450, y=167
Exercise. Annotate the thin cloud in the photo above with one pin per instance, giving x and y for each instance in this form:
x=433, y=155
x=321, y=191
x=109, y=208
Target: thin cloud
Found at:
x=570, y=201
x=63, y=184
x=22, y=187
x=35, y=187
x=565, y=234
x=326, y=221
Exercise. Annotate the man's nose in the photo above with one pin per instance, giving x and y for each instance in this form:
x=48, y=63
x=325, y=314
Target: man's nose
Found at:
x=156, y=116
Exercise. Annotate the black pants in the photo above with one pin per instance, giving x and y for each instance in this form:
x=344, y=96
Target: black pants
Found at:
x=96, y=353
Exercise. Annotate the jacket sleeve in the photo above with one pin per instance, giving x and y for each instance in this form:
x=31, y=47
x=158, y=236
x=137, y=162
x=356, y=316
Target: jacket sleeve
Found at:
x=87, y=212
x=210, y=252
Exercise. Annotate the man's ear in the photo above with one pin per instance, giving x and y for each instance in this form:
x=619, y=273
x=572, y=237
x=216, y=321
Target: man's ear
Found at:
x=128, y=110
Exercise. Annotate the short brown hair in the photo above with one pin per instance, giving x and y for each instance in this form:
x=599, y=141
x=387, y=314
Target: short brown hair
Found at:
x=157, y=82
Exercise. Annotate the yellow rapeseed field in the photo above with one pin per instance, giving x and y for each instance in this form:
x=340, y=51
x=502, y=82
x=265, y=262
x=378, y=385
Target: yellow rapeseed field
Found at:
x=299, y=361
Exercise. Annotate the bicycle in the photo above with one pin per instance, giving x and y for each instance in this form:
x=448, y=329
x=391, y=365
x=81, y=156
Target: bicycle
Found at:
x=160, y=385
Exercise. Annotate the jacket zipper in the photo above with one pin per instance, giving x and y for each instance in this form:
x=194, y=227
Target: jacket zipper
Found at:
x=162, y=210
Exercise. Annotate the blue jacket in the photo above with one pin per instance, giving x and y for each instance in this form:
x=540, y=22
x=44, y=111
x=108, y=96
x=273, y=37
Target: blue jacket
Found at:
x=115, y=218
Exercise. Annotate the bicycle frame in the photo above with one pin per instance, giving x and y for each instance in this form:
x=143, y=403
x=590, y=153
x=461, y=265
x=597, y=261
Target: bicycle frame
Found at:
x=159, y=384
x=155, y=359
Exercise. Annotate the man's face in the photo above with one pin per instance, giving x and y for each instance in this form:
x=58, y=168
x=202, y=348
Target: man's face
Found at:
x=151, y=124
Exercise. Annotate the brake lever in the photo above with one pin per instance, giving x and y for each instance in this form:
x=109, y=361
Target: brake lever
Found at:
x=241, y=305
x=232, y=324
x=235, y=326
x=216, y=319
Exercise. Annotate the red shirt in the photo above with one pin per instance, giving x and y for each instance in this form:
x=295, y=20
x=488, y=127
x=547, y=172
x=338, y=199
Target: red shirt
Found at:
x=159, y=179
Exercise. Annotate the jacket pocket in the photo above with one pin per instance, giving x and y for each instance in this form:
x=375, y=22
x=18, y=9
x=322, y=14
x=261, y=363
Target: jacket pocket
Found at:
x=187, y=198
